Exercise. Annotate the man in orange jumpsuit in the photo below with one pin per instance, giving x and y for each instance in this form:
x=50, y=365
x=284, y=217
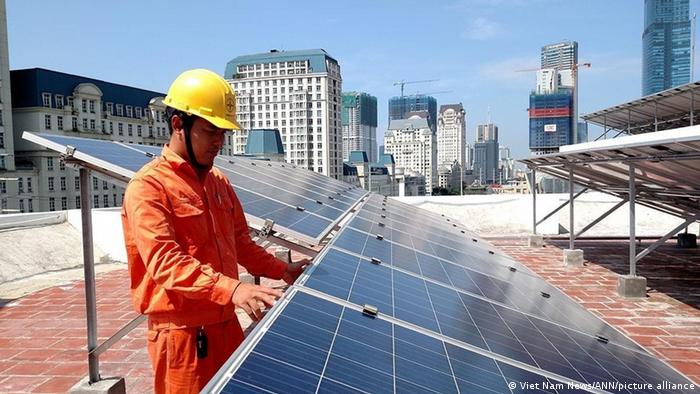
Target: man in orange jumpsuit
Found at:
x=185, y=234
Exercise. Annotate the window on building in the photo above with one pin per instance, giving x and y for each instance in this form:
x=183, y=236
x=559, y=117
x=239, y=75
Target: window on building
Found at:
x=96, y=201
x=29, y=185
x=104, y=127
x=105, y=186
x=74, y=123
x=47, y=122
x=111, y=127
x=46, y=99
x=110, y=108
x=92, y=106
x=52, y=204
x=2, y=139
x=120, y=128
x=85, y=124
x=138, y=131
x=129, y=112
x=30, y=205
x=105, y=201
x=3, y=187
x=49, y=163
x=130, y=131
x=77, y=183
x=59, y=122
x=120, y=110
x=21, y=205
x=64, y=203
x=51, y=185
x=77, y=202
x=94, y=183
x=138, y=112
x=114, y=200
x=63, y=183
x=70, y=102
x=83, y=103
x=92, y=124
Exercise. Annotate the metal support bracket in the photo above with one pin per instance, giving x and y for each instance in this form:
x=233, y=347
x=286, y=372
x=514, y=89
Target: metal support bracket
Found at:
x=666, y=237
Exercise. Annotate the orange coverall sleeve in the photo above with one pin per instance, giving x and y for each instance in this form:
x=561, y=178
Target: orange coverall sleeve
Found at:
x=254, y=258
x=149, y=214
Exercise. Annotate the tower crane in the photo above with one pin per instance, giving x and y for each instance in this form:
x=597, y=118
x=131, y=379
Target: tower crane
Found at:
x=405, y=82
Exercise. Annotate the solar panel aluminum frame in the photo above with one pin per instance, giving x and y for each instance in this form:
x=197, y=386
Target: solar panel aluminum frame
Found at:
x=116, y=173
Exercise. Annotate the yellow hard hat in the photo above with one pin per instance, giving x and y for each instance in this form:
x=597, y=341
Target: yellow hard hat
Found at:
x=205, y=94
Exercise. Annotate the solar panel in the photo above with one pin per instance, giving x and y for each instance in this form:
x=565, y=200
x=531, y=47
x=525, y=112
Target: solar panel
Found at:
x=301, y=211
x=314, y=345
x=585, y=357
x=453, y=313
x=666, y=165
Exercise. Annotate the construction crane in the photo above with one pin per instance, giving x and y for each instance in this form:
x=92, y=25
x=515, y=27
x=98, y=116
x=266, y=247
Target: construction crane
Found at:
x=574, y=68
x=404, y=82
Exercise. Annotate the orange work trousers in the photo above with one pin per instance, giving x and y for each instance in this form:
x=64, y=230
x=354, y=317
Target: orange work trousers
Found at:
x=173, y=353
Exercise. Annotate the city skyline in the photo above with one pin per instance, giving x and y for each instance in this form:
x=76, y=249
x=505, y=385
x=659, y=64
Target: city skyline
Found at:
x=506, y=36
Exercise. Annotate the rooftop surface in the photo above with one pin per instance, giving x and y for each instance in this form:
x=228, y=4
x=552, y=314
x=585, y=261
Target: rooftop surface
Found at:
x=42, y=335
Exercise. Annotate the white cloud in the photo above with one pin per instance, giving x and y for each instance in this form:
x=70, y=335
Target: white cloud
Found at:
x=482, y=29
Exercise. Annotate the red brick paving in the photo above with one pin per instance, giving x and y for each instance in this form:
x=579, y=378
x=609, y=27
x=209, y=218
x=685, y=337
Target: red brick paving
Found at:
x=42, y=336
x=667, y=322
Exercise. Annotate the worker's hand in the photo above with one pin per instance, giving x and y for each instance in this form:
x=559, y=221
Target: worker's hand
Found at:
x=294, y=270
x=249, y=296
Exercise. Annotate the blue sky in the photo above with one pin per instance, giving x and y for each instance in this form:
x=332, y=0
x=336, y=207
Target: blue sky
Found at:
x=471, y=46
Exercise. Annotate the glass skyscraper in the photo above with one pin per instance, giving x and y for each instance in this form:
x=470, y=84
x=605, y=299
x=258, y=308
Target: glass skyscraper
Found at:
x=665, y=45
x=359, y=119
x=399, y=107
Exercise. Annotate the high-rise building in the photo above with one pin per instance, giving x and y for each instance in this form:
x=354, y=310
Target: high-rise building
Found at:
x=53, y=102
x=297, y=93
x=665, y=45
x=551, y=121
x=412, y=143
x=359, y=119
x=451, y=135
x=485, y=167
x=400, y=107
x=486, y=132
x=553, y=111
x=562, y=56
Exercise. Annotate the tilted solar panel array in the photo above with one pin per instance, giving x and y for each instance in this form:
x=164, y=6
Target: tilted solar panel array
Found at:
x=454, y=315
x=308, y=207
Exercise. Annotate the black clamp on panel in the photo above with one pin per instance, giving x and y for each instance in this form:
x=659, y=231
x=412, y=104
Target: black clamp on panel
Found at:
x=331, y=197
x=475, y=240
x=370, y=310
x=601, y=339
x=376, y=261
x=299, y=208
x=545, y=295
x=491, y=252
x=512, y=269
x=252, y=164
x=380, y=224
x=383, y=216
x=319, y=202
x=380, y=237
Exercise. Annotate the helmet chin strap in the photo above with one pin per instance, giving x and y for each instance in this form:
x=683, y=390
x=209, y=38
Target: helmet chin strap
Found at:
x=190, y=150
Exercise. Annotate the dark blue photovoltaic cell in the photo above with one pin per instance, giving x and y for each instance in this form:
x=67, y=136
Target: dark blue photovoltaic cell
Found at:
x=283, y=215
x=539, y=343
x=361, y=354
x=108, y=151
x=523, y=292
